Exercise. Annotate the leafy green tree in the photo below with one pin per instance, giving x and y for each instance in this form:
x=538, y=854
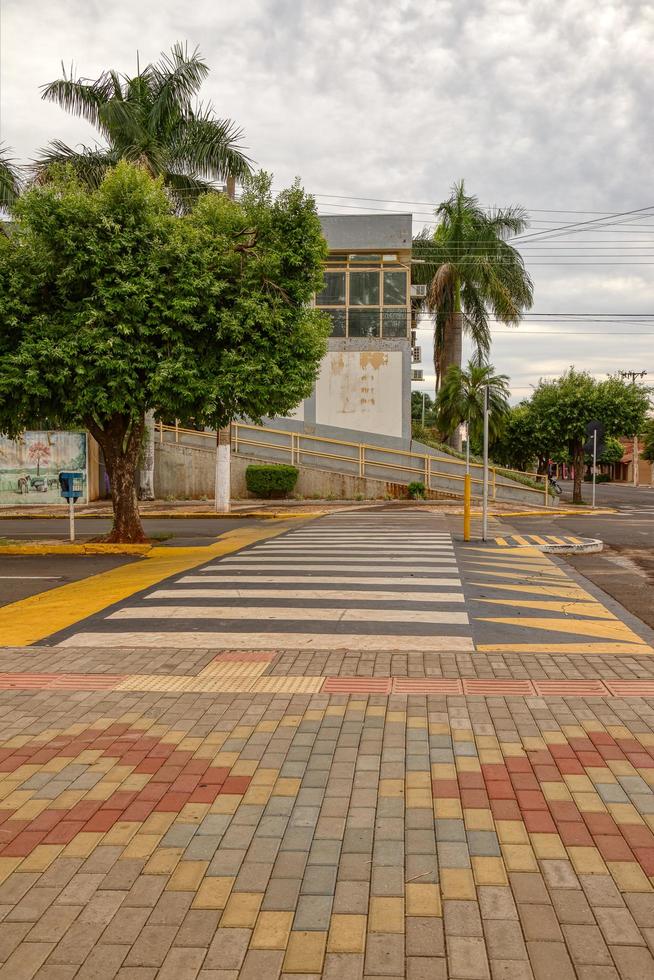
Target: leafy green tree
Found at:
x=9, y=179
x=416, y=408
x=647, y=451
x=516, y=446
x=112, y=306
x=612, y=453
x=561, y=410
x=461, y=399
x=152, y=119
x=471, y=272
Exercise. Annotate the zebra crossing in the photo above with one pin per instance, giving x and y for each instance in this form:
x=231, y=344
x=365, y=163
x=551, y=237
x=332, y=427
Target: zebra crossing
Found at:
x=350, y=581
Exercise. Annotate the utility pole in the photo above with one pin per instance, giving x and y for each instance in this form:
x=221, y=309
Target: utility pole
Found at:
x=223, y=485
x=484, y=518
x=636, y=459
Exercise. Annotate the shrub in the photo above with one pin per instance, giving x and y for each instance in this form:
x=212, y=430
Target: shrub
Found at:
x=416, y=490
x=599, y=478
x=271, y=481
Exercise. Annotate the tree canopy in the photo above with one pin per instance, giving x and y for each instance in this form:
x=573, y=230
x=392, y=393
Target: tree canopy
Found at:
x=151, y=118
x=113, y=306
x=461, y=399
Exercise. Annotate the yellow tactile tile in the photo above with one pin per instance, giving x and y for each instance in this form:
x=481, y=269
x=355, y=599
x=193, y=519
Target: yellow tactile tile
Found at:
x=386, y=915
x=347, y=934
x=272, y=930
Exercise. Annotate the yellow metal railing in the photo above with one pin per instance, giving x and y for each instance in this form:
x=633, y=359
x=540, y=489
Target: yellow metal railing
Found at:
x=417, y=465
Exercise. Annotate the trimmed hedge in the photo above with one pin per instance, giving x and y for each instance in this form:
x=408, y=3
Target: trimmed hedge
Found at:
x=271, y=481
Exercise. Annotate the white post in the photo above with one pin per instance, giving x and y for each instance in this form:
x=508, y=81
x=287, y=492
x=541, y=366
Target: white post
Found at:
x=223, y=470
x=484, y=524
x=594, y=461
x=147, y=460
x=468, y=446
x=71, y=517
x=636, y=463
x=423, y=409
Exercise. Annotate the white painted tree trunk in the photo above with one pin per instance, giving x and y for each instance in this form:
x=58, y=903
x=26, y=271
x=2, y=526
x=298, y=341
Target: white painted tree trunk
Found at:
x=636, y=462
x=223, y=470
x=146, y=475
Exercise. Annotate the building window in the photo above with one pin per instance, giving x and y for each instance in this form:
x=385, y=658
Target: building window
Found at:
x=394, y=288
x=394, y=324
x=363, y=323
x=364, y=289
x=339, y=326
x=333, y=292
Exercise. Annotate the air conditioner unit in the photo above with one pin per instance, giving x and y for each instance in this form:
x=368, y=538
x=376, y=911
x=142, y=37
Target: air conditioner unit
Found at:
x=416, y=355
x=418, y=292
x=416, y=374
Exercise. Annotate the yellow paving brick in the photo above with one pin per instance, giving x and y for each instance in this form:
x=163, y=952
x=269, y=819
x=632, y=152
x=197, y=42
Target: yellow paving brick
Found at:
x=423, y=899
x=555, y=791
x=519, y=857
x=83, y=845
x=578, y=784
x=462, y=734
x=31, y=809
x=347, y=934
x=386, y=915
x=272, y=930
x=490, y=757
x=391, y=788
x=548, y=846
x=489, y=871
x=187, y=877
x=439, y=728
x=241, y=910
x=443, y=770
x=629, y=876
x=624, y=813
x=417, y=780
x=244, y=767
x=587, y=860
x=121, y=832
x=257, y=795
x=7, y=867
x=511, y=832
x=193, y=812
x=225, y=759
x=158, y=823
x=457, y=883
x=213, y=893
x=305, y=952
x=141, y=846
x=225, y=803
x=164, y=861
x=603, y=774
x=41, y=857
x=467, y=763
x=589, y=802
x=478, y=819
x=446, y=809
x=286, y=787
x=419, y=797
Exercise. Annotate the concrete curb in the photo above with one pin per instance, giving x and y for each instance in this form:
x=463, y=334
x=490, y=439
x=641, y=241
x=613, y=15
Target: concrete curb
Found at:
x=174, y=515
x=588, y=546
x=75, y=549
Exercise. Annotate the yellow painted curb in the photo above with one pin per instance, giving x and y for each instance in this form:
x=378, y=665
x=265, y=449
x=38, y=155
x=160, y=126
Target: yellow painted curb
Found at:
x=173, y=515
x=30, y=620
x=75, y=549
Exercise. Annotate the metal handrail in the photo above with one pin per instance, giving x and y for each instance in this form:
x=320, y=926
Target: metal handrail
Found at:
x=424, y=461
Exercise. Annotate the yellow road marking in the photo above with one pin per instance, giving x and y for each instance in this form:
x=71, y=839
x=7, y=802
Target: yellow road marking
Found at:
x=30, y=620
x=523, y=541
x=556, y=540
x=633, y=649
x=502, y=542
x=575, y=540
x=563, y=590
x=571, y=608
x=549, y=571
x=601, y=628
x=538, y=539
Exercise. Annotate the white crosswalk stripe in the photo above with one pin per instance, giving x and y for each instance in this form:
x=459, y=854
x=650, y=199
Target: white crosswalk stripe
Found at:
x=347, y=581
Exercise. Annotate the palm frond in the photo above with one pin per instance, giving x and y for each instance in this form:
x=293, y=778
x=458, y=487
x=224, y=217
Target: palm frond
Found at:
x=88, y=164
x=210, y=147
x=79, y=96
x=175, y=79
x=9, y=179
x=185, y=189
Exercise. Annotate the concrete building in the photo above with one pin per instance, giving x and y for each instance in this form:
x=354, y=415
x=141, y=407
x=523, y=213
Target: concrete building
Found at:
x=364, y=385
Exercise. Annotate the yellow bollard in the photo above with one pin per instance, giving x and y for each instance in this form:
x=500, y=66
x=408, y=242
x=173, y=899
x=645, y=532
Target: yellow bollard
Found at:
x=467, y=504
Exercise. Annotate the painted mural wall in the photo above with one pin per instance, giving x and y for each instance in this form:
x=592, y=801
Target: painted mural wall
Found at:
x=361, y=390
x=30, y=466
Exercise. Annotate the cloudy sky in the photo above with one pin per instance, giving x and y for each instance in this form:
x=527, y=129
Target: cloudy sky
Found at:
x=544, y=104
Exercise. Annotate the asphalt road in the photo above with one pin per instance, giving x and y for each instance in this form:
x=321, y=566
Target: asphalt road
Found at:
x=25, y=575
x=625, y=569
x=175, y=532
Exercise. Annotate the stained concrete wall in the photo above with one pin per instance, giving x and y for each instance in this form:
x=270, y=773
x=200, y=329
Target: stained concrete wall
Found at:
x=361, y=390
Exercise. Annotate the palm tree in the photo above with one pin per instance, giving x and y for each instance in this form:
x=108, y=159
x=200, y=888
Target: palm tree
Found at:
x=9, y=179
x=471, y=272
x=461, y=399
x=152, y=119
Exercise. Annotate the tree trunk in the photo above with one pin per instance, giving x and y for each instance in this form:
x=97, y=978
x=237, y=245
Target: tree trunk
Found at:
x=121, y=445
x=578, y=459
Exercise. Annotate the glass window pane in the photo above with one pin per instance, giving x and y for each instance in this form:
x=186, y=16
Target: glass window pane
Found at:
x=395, y=289
x=369, y=258
x=364, y=289
x=333, y=292
x=363, y=323
x=395, y=323
x=338, y=322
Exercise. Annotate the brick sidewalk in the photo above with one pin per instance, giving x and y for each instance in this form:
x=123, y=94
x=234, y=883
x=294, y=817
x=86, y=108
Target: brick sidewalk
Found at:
x=186, y=836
